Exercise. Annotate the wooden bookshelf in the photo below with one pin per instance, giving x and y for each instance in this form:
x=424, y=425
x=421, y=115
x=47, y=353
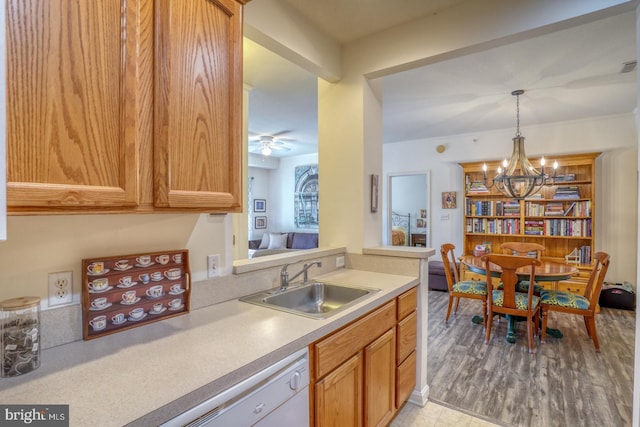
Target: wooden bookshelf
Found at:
x=561, y=216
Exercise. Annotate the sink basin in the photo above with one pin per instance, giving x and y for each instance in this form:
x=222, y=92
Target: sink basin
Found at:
x=317, y=300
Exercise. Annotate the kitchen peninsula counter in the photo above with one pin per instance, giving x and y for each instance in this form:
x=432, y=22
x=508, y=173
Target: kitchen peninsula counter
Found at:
x=145, y=376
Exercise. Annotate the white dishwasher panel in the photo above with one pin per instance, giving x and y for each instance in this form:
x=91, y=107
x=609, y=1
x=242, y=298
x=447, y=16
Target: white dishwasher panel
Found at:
x=275, y=396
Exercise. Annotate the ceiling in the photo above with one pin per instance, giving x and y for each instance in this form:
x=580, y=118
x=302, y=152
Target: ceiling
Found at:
x=579, y=78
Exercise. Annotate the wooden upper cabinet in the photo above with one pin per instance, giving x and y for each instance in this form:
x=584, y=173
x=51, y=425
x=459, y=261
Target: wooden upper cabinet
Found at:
x=198, y=104
x=75, y=103
x=124, y=106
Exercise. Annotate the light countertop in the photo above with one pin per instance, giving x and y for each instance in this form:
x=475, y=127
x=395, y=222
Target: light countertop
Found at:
x=144, y=376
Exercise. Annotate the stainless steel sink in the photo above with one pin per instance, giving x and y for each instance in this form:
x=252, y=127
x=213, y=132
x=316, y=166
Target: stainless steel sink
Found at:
x=318, y=300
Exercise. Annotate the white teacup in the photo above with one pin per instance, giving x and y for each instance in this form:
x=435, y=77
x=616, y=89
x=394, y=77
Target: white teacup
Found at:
x=125, y=281
x=176, y=288
x=136, y=313
x=163, y=259
x=99, y=302
x=175, y=303
x=118, y=318
x=144, y=259
x=156, y=275
x=157, y=307
x=99, y=284
x=98, y=322
x=155, y=291
x=96, y=267
x=122, y=264
x=144, y=277
x=173, y=274
x=177, y=258
x=129, y=297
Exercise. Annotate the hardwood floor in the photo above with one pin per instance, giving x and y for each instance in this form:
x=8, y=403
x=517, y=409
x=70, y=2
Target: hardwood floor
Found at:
x=565, y=383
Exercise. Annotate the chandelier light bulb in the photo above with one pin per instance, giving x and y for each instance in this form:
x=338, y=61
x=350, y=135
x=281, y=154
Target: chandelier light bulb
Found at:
x=542, y=161
x=266, y=151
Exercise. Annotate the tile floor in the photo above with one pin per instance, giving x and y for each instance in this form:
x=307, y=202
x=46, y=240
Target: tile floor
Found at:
x=435, y=415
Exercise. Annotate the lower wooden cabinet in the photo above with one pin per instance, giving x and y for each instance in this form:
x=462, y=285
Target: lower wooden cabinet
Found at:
x=380, y=380
x=356, y=372
x=338, y=396
x=406, y=341
x=405, y=379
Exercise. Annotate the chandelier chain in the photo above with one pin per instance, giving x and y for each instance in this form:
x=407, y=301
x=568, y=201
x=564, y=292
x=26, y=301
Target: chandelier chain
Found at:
x=518, y=134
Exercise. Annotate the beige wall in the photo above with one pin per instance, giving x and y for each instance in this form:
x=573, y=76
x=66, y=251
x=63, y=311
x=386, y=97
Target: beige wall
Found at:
x=38, y=245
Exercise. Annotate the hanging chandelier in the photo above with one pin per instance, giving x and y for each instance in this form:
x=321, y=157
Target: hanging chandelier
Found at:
x=517, y=178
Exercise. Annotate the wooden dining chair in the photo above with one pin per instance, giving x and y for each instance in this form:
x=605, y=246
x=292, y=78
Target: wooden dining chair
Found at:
x=473, y=289
x=507, y=300
x=582, y=305
x=524, y=249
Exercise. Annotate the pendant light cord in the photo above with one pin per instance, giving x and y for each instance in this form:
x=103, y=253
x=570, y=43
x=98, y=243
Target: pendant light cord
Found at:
x=517, y=93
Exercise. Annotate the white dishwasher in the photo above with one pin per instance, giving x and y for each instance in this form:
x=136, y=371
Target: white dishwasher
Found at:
x=274, y=397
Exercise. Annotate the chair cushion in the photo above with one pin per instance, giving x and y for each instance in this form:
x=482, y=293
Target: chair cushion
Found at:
x=523, y=286
x=521, y=300
x=564, y=299
x=471, y=287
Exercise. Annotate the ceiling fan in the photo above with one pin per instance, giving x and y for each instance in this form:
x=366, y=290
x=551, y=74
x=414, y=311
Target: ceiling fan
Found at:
x=265, y=144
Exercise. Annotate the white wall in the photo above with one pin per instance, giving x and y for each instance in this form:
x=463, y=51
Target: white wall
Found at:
x=277, y=186
x=616, y=190
x=282, y=189
x=261, y=189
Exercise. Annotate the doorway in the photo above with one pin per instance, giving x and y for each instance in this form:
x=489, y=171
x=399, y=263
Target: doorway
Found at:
x=409, y=214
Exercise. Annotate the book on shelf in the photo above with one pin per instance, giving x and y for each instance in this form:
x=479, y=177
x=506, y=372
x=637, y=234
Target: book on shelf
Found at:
x=565, y=178
x=554, y=209
x=569, y=209
x=567, y=192
x=477, y=187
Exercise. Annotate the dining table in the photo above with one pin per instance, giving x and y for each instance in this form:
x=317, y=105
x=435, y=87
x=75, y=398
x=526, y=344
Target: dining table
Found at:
x=547, y=271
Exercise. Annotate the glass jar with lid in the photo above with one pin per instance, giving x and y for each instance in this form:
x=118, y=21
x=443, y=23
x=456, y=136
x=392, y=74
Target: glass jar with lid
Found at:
x=19, y=335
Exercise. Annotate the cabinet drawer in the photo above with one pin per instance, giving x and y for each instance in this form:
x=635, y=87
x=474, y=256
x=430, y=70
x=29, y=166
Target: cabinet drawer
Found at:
x=407, y=302
x=332, y=351
x=405, y=379
x=470, y=275
x=407, y=335
x=574, y=287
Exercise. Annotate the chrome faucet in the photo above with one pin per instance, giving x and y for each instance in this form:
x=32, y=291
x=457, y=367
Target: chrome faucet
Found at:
x=284, y=274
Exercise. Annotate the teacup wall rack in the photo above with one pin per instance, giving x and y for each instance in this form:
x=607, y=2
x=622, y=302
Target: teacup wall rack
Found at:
x=126, y=291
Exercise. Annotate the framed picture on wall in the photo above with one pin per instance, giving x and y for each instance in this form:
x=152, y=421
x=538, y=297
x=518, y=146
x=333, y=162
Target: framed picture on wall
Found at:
x=449, y=200
x=259, y=205
x=374, y=193
x=261, y=222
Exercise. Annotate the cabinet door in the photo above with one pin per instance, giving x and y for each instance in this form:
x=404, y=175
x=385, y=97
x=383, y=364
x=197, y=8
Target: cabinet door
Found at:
x=198, y=104
x=406, y=379
x=379, y=379
x=407, y=336
x=74, y=104
x=339, y=395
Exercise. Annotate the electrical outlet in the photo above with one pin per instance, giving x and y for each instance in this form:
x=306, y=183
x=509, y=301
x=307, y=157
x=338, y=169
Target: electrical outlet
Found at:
x=60, y=288
x=213, y=265
x=339, y=261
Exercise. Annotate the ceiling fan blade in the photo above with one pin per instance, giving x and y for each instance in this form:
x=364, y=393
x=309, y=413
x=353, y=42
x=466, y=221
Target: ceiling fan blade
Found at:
x=282, y=132
x=278, y=147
